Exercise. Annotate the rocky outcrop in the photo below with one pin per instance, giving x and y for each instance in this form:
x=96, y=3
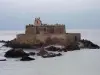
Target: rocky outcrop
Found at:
x=32, y=53
x=26, y=58
x=88, y=44
x=2, y=41
x=42, y=52
x=72, y=47
x=2, y=59
x=13, y=44
x=14, y=53
x=16, y=45
x=49, y=55
x=53, y=48
x=46, y=54
x=59, y=54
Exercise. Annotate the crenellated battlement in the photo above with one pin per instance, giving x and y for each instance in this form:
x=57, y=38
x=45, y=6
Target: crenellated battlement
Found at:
x=31, y=25
x=52, y=25
x=38, y=28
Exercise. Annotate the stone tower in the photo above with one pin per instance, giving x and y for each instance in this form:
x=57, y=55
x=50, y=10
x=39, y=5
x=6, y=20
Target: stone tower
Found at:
x=37, y=22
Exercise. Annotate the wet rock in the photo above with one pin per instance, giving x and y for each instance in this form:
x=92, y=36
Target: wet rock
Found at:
x=49, y=55
x=46, y=54
x=17, y=45
x=42, y=52
x=2, y=41
x=88, y=44
x=2, y=59
x=14, y=53
x=59, y=54
x=14, y=44
x=53, y=48
x=26, y=58
x=72, y=47
x=32, y=53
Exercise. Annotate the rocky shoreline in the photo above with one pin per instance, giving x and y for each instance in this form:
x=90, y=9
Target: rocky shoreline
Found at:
x=19, y=53
x=88, y=44
x=75, y=46
x=43, y=50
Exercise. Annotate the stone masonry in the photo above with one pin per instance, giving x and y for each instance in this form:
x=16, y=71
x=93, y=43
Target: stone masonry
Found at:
x=39, y=32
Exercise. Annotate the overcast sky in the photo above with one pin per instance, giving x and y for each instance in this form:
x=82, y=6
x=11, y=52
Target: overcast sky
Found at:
x=75, y=14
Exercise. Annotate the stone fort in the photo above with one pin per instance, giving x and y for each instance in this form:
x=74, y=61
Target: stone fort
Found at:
x=39, y=32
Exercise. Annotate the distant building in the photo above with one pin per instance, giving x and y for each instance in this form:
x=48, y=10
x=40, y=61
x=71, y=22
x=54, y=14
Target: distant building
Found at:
x=41, y=32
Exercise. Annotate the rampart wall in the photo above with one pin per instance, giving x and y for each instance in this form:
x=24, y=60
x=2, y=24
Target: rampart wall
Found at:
x=45, y=29
x=65, y=39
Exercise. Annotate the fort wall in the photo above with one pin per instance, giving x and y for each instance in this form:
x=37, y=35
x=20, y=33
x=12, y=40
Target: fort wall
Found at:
x=45, y=29
x=73, y=37
x=41, y=32
x=26, y=39
x=65, y=39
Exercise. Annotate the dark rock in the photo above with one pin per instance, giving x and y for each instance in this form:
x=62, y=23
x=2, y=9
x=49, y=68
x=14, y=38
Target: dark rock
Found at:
x=59, y=54
x=14, y=44
x=42, y=52
x=32, y=53
x=72, y=47
x=64, y=49
x=17, y=45
x=14, y=53
x=2, y=59
x=53, y=48
x=89, y=44
x=2, y=41
x=49, y=55
x=26, y=58
x=46, y=54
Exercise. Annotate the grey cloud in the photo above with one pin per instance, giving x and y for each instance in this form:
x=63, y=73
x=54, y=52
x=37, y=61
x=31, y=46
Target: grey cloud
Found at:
x=73, y=13
x=50, y=5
